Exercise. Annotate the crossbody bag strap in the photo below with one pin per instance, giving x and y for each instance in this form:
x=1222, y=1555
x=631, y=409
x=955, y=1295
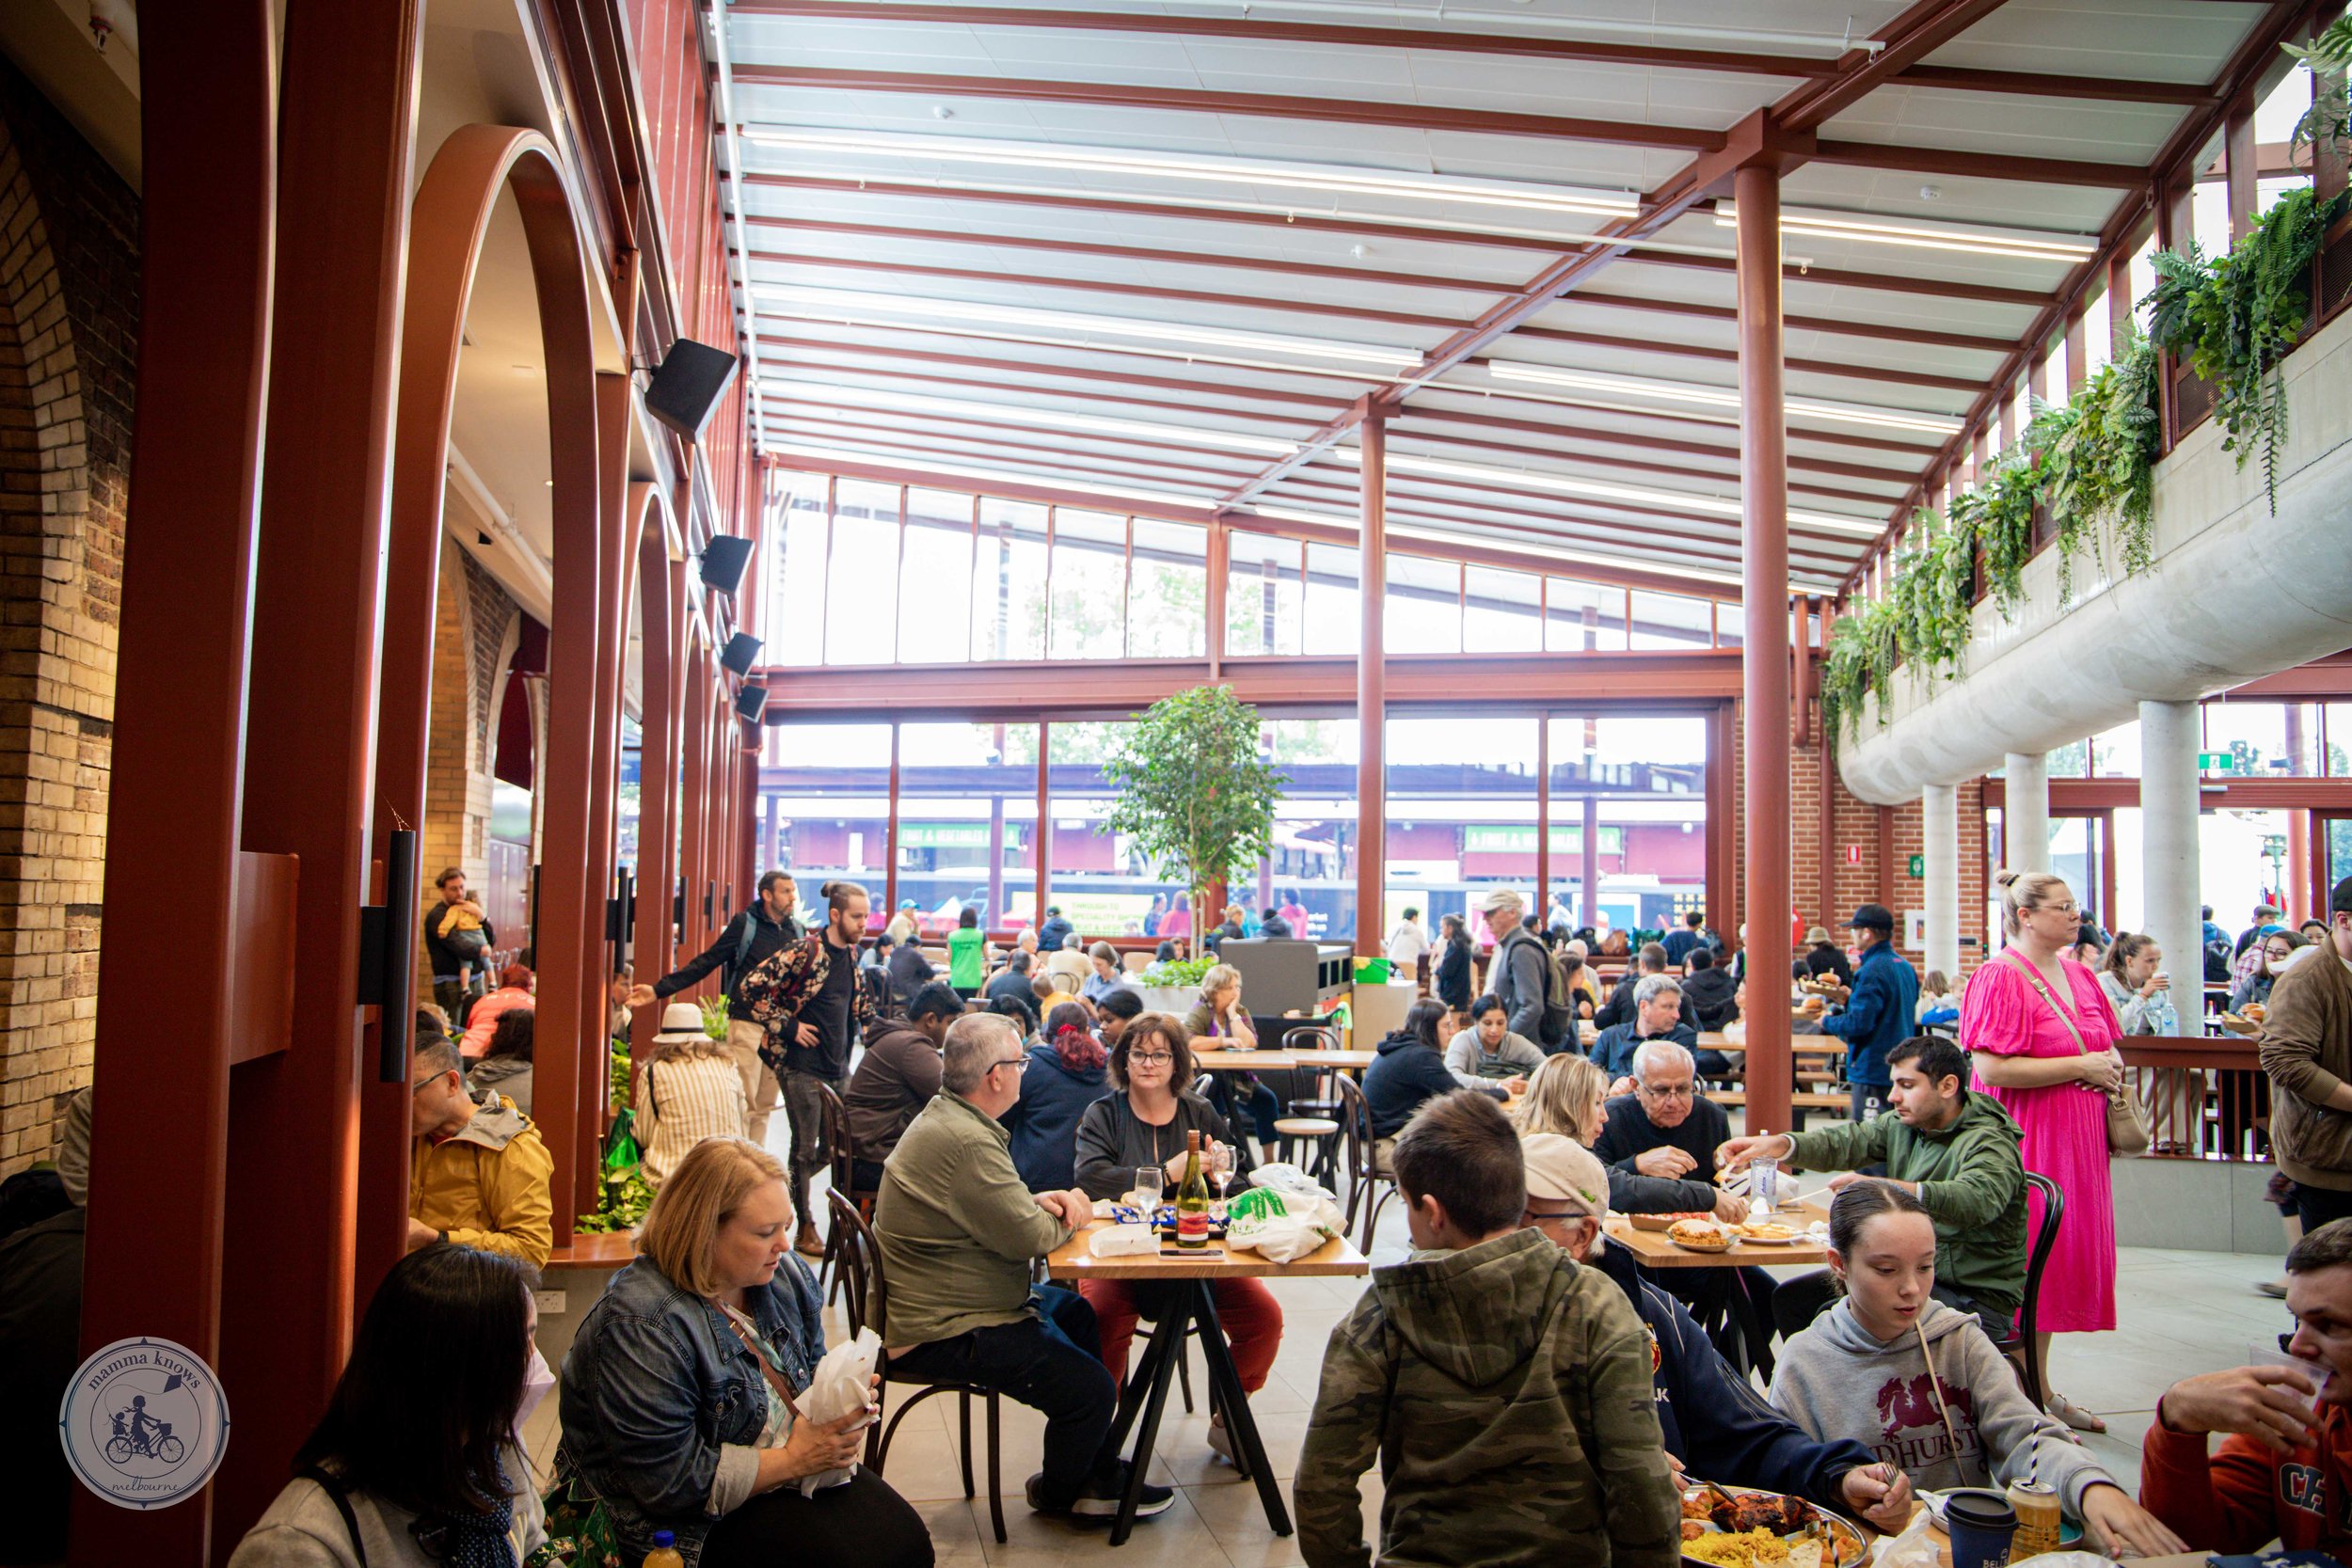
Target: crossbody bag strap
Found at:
x=775, y=1379
x=334, y=1490
x=2034, y=977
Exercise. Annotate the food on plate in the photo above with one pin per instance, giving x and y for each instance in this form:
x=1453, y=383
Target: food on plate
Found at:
x=1766, y=1230
x=1754, y=1548
x=1692, y=1529
x=2257, y=1011
x=1805, y=1554
x=1698, y=1235
x=1667, y=1221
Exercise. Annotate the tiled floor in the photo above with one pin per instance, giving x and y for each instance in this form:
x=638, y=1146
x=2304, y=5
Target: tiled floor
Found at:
x=2178, y=1313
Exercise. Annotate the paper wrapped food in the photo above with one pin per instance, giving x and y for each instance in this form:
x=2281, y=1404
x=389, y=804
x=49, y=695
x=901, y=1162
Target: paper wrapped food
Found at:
x=1122, y=1241
x=843, y=1383
x=1282, y=1227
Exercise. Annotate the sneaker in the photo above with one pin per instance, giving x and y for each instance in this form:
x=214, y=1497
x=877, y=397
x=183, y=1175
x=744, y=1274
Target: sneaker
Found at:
x=2272, y=1288
x=1039, y=1500
x=1102, y=1501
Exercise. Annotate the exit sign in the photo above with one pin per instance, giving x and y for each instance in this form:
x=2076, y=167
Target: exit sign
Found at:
x=2216, y=762
x=1918, y=867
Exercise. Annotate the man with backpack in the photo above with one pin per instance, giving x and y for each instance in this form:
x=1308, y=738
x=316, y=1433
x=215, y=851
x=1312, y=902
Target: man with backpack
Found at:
x=754, y=935
x=1520, y=973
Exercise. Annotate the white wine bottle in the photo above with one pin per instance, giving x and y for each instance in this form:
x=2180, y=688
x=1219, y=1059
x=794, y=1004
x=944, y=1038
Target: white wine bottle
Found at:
x=1192, y=1199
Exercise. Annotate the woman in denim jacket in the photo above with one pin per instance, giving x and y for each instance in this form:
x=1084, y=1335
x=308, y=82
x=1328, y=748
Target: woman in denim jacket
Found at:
x=667, y=1414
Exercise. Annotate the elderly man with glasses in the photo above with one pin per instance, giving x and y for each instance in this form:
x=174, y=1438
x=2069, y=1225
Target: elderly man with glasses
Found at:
x=1665, y=1128
x=958, y=1232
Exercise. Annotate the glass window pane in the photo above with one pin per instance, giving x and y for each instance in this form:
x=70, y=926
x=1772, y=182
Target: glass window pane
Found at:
x=1646, y=779
x=2340, y=743
x=1333, y=622
x=1089, y=584
x=934, y=579
x=2265, y=740
x=1009, y=581
x=1731, y=625
x=1461, y=817
x=1263, y=609
x=1671, y=620
x=830, y=792
x=1421, y=609
x=1313, y=863
x=2115, y=753
x=1501, y=611
x=967, y=823
x=1100, y=882
x=861, y=575
x=795, y=619
x=2070, y=761
x=1167, y=590
x=1583, y=617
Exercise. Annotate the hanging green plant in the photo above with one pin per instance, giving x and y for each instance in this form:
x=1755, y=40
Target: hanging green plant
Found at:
x=2234, y=317
x=2329, y=56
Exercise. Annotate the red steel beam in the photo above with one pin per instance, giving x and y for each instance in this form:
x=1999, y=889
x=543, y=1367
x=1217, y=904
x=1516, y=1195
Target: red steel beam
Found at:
x=1926, y=26
x=1725, y=450
x=160, y=1153
x=1372, y=696
x=1901, y=332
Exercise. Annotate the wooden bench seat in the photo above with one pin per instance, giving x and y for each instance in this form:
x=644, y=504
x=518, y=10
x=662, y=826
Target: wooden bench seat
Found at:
x=1799, y=1102
x=613, y=1249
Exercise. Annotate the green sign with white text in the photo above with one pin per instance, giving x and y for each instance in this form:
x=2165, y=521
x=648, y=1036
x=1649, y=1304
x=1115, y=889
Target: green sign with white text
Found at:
x=943, y=835
x=1566, y=840
x=1918, y=866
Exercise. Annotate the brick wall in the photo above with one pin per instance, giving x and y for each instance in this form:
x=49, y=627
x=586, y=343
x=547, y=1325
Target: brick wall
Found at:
x=473, y=639
x=68, y=317
x=1855, y=824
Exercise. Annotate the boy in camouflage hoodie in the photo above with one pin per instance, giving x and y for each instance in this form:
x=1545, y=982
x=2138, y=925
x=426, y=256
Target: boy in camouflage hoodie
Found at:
x=1505, y=1388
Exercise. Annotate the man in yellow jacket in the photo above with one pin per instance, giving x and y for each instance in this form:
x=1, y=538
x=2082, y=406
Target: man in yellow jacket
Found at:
x=478, y=1175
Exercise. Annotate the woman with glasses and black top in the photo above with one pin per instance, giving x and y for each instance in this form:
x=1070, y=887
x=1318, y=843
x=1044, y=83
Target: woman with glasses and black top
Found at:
x=1145, y=1123
x=405, y=1470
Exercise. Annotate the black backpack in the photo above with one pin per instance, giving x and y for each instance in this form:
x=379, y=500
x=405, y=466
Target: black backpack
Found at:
x=1558, y=1014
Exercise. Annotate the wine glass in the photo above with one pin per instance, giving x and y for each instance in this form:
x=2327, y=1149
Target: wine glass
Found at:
x=1222, y=1170
x=1145, y=1195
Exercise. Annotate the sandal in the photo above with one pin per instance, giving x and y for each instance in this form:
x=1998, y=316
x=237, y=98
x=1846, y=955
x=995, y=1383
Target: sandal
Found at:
x=2075, y=1415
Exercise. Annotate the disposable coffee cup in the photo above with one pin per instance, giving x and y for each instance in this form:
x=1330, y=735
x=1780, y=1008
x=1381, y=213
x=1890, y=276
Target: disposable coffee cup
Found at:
x=1981, y=1528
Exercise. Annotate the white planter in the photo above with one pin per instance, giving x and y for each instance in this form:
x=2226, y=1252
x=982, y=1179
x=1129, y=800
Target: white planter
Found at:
x=1179, y=1000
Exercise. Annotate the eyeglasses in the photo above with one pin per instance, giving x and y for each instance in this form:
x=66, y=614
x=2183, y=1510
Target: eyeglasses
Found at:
x=1151, y=1058
x=2070, y=907
x=1018, y=1064
x=1665, y=1091
x=1554, y=1216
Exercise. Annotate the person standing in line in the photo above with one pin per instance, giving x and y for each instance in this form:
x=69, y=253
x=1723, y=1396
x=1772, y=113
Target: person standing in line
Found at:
x=2137, y=988
x=967, y=955
x=757, y=933
x=1451, y=979
x=1408, y=945
x=456, y=934
x=2043, y=1038
x=2307, y=1052
x=1881, y=1012
x=806, y=1000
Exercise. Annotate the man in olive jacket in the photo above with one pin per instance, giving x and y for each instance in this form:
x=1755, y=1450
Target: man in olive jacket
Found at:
x=1957, y=1151
x=1504, y=1387
x=2307, y=1050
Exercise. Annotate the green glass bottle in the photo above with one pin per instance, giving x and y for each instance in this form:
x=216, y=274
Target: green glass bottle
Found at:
x=1192, y=1198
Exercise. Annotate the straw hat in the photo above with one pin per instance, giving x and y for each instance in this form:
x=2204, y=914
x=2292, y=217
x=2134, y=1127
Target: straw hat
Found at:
x=1816, y=935
x=681, y=1024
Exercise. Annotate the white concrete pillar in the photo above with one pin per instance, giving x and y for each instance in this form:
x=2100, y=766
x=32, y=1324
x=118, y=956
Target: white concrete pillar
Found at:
x=2025, y=811
x=1939, y=826
x=2169, y=737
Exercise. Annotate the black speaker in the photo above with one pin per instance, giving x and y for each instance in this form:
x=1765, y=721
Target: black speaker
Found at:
x=741, y=649
x=688, y=385
x=752, y=702
x=723, y=560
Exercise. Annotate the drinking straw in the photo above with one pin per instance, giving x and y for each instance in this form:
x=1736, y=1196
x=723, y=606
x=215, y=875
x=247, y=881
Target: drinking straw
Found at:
x=1935, y=1387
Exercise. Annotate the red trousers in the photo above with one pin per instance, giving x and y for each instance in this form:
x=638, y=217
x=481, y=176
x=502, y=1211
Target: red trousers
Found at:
x=1251, y=1316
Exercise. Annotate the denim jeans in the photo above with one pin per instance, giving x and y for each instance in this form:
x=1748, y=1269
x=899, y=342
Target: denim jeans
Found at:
x=1053, y=1364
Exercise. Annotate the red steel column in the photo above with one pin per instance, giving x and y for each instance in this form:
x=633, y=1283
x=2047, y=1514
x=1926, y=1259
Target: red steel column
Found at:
x=694, y=791
x=1764, y=647
x=660, y=584
x=617, y=523
x=345, y=175
x=159, y=1155
x=1371, y=690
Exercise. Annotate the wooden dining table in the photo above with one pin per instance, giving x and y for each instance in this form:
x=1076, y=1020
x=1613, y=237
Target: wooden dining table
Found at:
x=1652, y=1249
x=1192, y=1298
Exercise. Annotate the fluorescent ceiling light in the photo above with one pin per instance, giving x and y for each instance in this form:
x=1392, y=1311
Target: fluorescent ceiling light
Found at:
x=819, y=456
x=1200, y=166
x=1052, y=418
x=819, y=300
x=2023, y=244
x=1720, y=397
x=1598, y=489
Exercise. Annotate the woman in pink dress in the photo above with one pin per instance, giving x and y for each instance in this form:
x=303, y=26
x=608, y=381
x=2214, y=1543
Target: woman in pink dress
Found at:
x=2027, y=1058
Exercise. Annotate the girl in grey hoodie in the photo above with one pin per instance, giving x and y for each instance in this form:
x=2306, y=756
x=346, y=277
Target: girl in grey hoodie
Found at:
x=1921, y=1387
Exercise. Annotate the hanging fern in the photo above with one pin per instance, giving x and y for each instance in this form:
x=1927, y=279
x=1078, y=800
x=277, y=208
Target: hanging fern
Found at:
x=2234, y=317
x=2329, y=56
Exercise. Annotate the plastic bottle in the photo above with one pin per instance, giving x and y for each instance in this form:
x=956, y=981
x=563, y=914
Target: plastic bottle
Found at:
x=1192, y=1199
x=664, y=1553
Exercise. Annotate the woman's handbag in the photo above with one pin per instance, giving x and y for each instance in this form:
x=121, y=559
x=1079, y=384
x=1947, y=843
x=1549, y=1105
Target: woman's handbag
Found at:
x=2127, y=1127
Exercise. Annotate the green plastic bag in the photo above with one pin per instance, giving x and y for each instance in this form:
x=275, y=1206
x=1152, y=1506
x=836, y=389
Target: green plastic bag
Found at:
x=1373, y=972
x=621, y=1153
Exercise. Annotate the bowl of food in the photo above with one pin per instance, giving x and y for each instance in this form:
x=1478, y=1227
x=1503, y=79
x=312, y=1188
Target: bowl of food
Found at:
x=1740, y=1528
x=1699, y=1236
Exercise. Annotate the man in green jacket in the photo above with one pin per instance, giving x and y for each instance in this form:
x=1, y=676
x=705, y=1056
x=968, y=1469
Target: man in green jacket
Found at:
x=1504, y=1387
x=958, y=1231
x=1957, y=1151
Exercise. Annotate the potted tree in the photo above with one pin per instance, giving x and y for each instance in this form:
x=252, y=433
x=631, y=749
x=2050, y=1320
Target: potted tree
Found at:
x=1196, y=798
